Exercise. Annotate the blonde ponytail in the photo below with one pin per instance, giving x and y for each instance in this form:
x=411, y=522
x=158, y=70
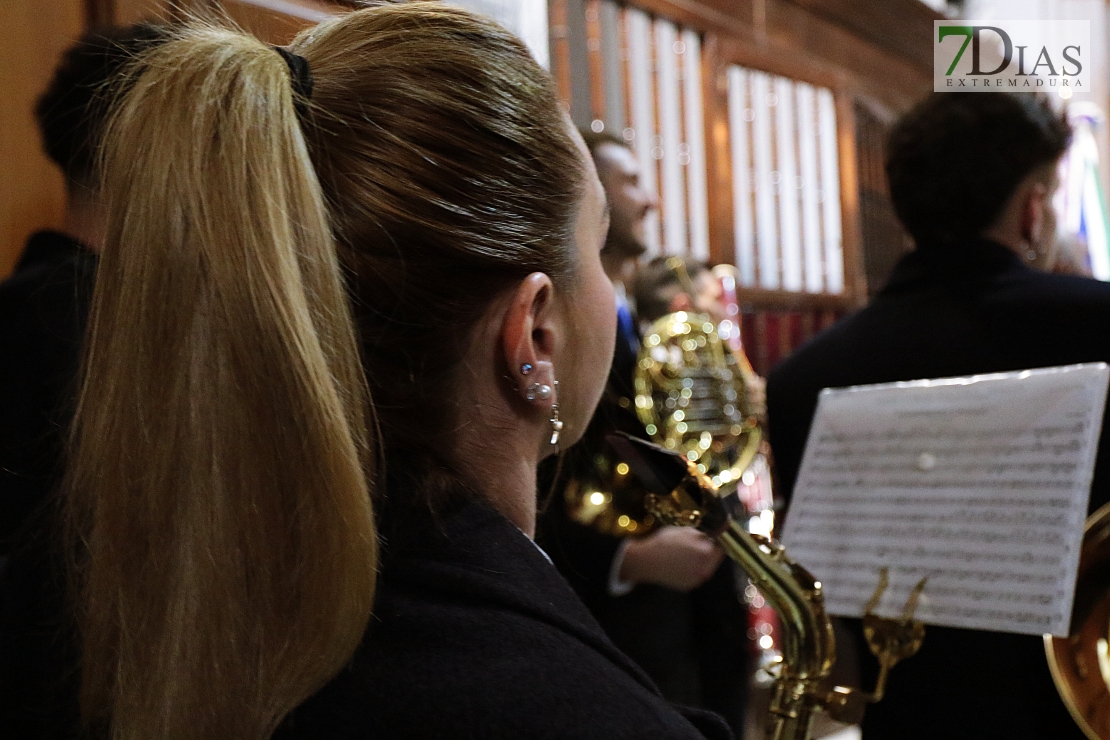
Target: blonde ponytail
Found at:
x=220, y=467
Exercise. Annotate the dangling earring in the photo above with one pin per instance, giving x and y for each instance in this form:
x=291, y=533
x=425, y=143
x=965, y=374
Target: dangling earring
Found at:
x=556, y=422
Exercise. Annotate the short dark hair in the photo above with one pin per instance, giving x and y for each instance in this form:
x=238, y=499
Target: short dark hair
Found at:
x=657, y=284
x=73, y=110
x=956, y=158
x=597, y=139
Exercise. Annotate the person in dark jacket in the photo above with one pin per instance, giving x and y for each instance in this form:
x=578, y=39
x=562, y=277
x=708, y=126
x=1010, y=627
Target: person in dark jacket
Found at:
x=666, y=599
x=470, y=612
x=44, y=302
x=351, y=295
x=43, y=308
x=971, y=177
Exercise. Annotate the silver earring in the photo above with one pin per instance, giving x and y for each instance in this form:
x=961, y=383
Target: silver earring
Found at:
x=540, y=391
x=526, y=368
x=556, y=422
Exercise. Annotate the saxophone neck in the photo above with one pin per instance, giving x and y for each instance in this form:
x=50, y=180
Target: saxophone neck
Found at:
x=808, y=644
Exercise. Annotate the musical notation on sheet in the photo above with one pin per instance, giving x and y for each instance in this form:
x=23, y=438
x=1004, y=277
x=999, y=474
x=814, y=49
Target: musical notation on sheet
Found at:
x=979, y=484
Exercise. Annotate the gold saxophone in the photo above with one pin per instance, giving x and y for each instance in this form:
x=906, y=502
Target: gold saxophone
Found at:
x=681, y=494
x=692, y=399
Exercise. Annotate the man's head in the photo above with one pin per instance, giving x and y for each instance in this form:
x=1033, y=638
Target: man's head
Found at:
x=659, y=290
x=74, y=109
x=629, y=201
x=962, y=165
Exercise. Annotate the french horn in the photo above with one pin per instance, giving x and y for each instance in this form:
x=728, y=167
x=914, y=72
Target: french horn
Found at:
x=691, y=395
x=1080, y=663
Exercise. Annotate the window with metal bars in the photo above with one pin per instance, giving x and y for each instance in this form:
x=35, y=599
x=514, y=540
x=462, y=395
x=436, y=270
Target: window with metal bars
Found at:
x=786, y=188
x=640, y=76
x=644, y=78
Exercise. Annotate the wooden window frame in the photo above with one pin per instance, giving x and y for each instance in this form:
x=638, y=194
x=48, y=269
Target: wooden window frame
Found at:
x=729, y=50
x=727, y=41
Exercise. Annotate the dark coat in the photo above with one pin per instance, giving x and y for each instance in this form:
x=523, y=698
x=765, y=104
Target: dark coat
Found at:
x=476, y=635
x=43, y=307
x=693, y=645
x=957, y=311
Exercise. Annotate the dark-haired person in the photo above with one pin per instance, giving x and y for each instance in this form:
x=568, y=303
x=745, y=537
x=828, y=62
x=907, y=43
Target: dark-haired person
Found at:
x=43, y=306
x=665, y=599
x=659, y=290
x=43, y=303
x=351, y=294
x=971, y=177
x=630, y=203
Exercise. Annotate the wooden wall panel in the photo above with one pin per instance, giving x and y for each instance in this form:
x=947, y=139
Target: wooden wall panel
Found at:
x=277, y=21
x=873, y=22
x=884, y=240
x=581, y=108
x=596, y=62
x=32, y=195
x=133, y=11
x=780, y=35
x=891, y=78
x=99, y=13
x=855, y=282
x=718, y=155
x=33, y=34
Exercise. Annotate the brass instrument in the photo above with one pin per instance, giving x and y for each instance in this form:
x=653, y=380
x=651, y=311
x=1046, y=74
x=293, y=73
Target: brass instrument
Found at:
x=604, y=496
x=681, y=494
x=692, y=398
x=691, y=395
x=1080, y=663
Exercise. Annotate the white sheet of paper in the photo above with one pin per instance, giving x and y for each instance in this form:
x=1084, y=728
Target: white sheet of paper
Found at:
x=980, y=484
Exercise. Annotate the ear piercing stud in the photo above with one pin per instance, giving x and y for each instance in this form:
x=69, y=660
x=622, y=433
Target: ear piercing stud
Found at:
x=540, y=391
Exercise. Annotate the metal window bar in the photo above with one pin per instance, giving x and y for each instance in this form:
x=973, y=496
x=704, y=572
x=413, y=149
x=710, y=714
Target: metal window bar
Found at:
x=695, y=163
x=638, y=28
x=672, y=194
x=740, y=116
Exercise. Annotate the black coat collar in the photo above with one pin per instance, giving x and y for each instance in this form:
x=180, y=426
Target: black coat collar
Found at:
x=967, y=261
x=46, y=247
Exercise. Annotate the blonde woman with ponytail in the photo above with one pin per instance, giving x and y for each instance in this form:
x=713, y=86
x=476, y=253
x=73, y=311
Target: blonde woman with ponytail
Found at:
x=350, y=296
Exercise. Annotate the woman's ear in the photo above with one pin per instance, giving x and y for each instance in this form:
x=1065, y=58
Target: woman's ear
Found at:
x=528, y=339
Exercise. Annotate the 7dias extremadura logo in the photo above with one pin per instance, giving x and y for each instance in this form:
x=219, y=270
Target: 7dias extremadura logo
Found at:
x=1018, y=56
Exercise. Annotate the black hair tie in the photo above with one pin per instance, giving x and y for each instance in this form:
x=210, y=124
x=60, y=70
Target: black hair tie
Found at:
x=301, y=77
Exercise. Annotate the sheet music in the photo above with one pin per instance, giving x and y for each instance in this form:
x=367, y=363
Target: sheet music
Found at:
x=980, y=484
